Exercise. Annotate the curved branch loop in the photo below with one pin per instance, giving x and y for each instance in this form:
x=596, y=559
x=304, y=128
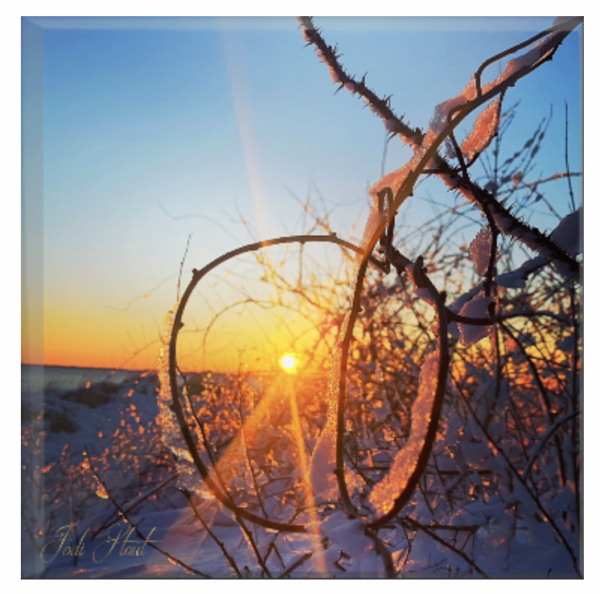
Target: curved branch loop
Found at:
x=177, y=408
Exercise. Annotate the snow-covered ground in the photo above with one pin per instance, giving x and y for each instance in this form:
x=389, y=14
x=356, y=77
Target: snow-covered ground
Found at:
x=71, y=529
x=84, y=409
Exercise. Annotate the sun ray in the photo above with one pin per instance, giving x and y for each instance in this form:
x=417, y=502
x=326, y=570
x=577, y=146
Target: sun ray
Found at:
x=242, y=105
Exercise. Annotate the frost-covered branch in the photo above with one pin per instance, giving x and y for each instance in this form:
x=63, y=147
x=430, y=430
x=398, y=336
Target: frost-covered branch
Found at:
x=470, y=99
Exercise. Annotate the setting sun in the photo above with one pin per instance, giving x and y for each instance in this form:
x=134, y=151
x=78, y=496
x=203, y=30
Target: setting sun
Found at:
x=288, y=362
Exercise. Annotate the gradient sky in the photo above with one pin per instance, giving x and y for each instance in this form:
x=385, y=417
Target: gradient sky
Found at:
x=146, y=118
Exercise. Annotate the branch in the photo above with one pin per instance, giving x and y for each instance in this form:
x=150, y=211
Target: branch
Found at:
x=206, y=527
x=444, y=361
x=544, y=438
x=518, y=476
x=124, y=515
x=506, y=221
x=417, y=526
x=297, y=564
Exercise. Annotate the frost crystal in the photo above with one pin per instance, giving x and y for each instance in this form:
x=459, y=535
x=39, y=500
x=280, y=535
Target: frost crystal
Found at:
x=101, y=492
x=481, y=249
x=166, y=419
x=385, y=491
x=392, y=180
x=484, y=130
x=322, y=479
x=373, y=222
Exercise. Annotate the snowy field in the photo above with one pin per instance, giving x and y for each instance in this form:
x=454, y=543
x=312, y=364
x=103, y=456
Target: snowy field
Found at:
x=71, y=529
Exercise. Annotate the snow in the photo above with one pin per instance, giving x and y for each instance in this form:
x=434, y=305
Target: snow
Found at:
x=440, y=115
x=393, y=180
x=376, y=217
x=476, y=308
x=322, y=477
x=516, y=278
x=567, y=233
x=350, y=552
x=387, y=490
x=483, y=131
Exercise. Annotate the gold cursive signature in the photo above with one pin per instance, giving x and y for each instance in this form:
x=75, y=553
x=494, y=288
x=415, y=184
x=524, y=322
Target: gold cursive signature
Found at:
x=65, y=547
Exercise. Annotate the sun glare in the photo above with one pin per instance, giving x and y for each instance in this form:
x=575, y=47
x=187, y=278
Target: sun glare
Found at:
x=288, y=362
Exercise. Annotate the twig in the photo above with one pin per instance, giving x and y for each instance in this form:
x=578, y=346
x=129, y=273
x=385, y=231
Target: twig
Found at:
x=295, y=565
x=182, y=262
x=568, y=174
x=124, y=514
x=383, y=552
x=206, y=527
x=542, y=390
x=417, y=526
x=544, y=438
x=518, y=476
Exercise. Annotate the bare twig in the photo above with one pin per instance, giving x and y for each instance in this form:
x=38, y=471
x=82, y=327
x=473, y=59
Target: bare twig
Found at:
x=138, y=532
x=206, y=527
x=413, y=525
x=187, y=245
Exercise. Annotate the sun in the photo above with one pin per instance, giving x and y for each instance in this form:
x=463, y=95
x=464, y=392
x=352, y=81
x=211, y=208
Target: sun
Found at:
x=288, y=362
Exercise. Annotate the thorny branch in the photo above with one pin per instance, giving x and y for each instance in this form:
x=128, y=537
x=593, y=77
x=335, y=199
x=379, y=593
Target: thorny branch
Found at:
x=508, y=223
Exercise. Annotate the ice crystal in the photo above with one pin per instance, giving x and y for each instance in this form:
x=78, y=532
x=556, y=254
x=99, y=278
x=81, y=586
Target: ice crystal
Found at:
x=322, y=466
x=387, y=490
x=393, y=180
x=322, y=477
x=483, y=131
x=480, y=250
x=166, y=419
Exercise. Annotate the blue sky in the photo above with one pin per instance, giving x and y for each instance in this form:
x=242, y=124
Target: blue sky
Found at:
x=223, y=118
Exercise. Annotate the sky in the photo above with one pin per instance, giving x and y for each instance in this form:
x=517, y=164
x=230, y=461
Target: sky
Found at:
x=154, y=131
